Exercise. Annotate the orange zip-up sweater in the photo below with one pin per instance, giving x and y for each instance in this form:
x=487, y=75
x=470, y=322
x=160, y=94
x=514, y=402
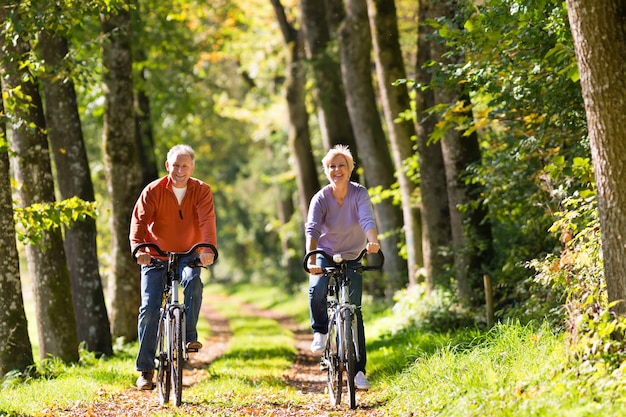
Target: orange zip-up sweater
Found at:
x=157, y=217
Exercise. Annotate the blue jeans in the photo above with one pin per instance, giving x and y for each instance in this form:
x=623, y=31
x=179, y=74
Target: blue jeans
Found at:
x=318, y=289
x=152, y=286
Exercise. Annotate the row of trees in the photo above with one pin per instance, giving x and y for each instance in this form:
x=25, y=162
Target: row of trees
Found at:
x=469, y=130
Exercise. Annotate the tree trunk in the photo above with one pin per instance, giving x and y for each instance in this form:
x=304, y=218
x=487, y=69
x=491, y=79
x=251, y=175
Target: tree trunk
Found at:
x=436, y=228
x=355, y=47
x=471, y=232
x=299, y=135
x=122, y=171
x=16, y=351
x=33, y=171
x=395, y=100
x=328, y=90
x=74, y=179
x=599, y=31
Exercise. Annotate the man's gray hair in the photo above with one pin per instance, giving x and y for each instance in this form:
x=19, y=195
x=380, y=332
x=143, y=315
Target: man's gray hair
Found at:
x=181, y=150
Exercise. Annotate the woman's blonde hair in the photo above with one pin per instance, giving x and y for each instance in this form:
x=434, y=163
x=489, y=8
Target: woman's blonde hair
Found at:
x=339, y=150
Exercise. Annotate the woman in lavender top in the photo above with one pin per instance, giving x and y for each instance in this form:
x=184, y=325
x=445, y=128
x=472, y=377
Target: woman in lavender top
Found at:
x=340, y=221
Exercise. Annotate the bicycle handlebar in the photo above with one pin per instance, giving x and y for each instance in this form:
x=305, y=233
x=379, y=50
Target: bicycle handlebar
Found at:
x=181, y=254
x=330, y=259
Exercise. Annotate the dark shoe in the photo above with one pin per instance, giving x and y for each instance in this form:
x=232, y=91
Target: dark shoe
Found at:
x=194, y=346
x=145, y=380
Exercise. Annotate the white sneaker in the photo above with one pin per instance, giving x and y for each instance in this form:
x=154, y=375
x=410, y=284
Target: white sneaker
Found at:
x=319, y=342
x=361, y=382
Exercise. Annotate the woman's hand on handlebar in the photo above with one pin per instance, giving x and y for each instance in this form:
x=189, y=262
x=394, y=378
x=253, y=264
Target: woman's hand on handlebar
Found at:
x=315, y=269
x=372, y=247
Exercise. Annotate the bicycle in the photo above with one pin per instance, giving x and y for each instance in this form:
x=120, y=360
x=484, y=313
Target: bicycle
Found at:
x=172, y=349
x=342, y=348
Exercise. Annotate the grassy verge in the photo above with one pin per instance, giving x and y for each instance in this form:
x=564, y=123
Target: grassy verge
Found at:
x=511, y=370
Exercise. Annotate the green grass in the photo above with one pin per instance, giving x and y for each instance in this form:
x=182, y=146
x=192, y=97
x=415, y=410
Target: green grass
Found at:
x=511, y=370
x=62, y=385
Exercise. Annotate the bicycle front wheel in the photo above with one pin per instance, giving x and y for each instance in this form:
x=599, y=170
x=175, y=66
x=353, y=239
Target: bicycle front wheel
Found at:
x=177, y=355
x=350, y=356
x=335, y=366
x=162, y=365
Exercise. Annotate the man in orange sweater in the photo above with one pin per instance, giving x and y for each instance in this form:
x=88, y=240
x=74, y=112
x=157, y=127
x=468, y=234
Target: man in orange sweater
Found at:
x=175, y=212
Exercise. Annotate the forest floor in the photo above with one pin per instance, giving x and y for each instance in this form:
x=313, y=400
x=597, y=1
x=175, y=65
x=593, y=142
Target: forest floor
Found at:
x=304, y=376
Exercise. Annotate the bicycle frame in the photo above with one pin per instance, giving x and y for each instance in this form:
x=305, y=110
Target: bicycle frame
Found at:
x=342, y=347
x=171, y=332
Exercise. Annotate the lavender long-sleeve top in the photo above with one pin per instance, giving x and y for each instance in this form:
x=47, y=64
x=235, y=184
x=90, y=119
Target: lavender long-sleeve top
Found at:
x=340, y=229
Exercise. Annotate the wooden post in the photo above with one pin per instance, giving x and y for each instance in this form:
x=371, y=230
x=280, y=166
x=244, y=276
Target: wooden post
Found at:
x=489, y=299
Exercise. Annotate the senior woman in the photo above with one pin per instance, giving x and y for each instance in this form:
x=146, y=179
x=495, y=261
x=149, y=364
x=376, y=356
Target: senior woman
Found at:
x=339, y=221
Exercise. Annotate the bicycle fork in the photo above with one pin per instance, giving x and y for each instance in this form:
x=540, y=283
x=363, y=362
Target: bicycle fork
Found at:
x=175, y=305
x=353, y=325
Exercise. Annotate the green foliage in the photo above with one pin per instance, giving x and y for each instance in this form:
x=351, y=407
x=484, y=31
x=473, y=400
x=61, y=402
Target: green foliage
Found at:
x=32, y=221
x=595, y=335
x=515, y=59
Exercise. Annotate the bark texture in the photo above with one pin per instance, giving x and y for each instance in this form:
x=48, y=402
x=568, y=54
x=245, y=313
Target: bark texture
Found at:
x=355, y=47
x=599, y=31
x=33, y=172
x=74, y=179
x=122, y=171
x=16, y=351
x=328, y=92
x=299, y=134
x=395, y=100
x=436, y=228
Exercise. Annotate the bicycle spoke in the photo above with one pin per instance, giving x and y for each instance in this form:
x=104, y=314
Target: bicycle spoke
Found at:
x=163, y=373
x=335, y=366
x=177, y=358
x=350, y=357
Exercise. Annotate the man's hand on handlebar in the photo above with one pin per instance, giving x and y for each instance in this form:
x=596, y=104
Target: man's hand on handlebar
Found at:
x=144, y=259
x=207, y=258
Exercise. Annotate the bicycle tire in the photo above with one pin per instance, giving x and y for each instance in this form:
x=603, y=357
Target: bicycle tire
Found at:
x=350, y=357
x=163, y=367
x=177, y=358
x=335, y=366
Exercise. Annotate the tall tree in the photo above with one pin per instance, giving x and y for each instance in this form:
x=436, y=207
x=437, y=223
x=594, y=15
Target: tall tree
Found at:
x=121, y=165
x=599, y=32
x=33, y=171
x=74, y=179
x=471, y=229
x=143, y=118
x=395, y=100
x=436, y=228
x=330, y=100
x=16, y=351
x=299, y=135
x=355, y=45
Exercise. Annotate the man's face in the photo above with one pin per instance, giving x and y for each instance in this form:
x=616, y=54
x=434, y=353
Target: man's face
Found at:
x=180, y=170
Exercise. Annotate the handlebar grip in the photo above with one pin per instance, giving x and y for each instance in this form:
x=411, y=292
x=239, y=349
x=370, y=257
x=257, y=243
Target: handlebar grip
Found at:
x=330, y=260
x=166, y=254
x=147, y=245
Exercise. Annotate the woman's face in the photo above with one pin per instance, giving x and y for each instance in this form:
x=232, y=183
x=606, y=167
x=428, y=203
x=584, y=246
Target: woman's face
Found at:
x=337, y=170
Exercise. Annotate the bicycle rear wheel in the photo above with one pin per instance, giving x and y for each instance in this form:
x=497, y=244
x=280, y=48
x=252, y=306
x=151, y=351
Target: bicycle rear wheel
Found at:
x=335, y=366
x=350, y=357
x=162, y=365
x=177, y=355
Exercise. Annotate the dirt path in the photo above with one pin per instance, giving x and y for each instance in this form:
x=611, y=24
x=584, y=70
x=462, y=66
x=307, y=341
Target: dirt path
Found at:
x=304, y=376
